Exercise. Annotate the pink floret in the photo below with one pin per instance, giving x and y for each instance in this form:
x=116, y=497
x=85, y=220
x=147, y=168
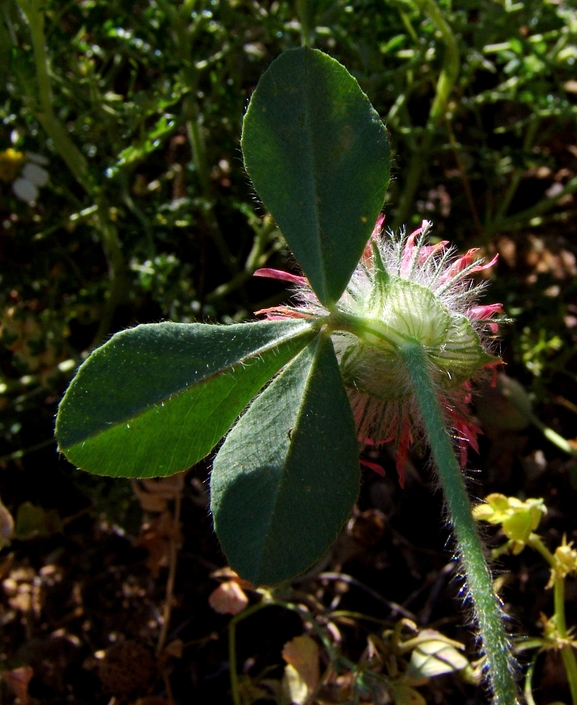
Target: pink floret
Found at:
x=267, y=273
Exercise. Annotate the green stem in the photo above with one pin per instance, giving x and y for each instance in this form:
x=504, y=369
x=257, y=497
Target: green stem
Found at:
x=528, y=689
x=446, y=81
x=451, y=61
x=522, y=217
x=17, y=454
x=44, y=111
x=535, y=542
x=559, y=603
x=567, y=653
x=366, y=329
x=76, y=162
x=549, y=433
x=486, y=604
x=256, y=258
x=305, y=14
x=116, y=271
x=194, y=132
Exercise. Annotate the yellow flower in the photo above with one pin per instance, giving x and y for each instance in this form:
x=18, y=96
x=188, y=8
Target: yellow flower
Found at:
x=518, y=519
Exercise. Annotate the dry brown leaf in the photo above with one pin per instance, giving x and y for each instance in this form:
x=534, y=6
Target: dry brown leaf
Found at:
x=168, y=487
x=228, y=598
x=302, y=653
x=154, y=495
x=148, y=501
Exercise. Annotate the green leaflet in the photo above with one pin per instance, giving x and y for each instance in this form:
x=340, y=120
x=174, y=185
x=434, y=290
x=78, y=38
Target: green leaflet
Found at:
x=287, y=476
x=157, y=398
x=318, y=156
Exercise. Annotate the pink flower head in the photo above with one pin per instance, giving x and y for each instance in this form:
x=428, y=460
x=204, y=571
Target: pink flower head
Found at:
x=405, y=289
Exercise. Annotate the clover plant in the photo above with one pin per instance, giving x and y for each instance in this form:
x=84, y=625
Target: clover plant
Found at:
x=380, y=345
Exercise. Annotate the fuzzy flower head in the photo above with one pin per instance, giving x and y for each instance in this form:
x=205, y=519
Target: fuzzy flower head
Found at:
x=403, y=291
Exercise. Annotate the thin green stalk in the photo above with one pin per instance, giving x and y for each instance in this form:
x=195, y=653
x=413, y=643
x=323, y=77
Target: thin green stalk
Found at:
x=43, y=108
x=528, y=689
x=17, y=454
x=116, y=271
x=256, y=258
x=567, y=653
x=305, y=14
x=194, y=133
x=193, y=130
x=76, y=162
x=451, y=61
x=549, y=433
x=486, y=604
x=535, y=542
x=446, y=81
x=519, y=219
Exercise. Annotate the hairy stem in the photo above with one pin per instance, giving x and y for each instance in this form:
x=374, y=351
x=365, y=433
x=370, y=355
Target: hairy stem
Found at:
x=486, y=603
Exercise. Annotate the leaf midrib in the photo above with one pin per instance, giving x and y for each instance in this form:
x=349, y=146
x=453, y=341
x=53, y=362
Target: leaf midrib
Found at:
x=312, y=151
x=197, y=383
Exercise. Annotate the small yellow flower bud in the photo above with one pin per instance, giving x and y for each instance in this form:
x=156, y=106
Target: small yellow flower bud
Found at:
x=565, y=562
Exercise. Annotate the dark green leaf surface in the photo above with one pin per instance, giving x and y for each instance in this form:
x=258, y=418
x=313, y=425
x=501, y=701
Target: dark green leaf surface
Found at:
x=157, y=398
x=287, y=476
x=318, y=156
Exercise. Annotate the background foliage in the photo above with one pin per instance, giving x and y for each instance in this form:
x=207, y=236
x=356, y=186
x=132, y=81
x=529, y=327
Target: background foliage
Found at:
x=148, y=215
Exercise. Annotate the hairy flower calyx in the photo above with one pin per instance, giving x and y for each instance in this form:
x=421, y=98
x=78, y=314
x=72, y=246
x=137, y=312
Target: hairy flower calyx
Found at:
x=404, y=292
